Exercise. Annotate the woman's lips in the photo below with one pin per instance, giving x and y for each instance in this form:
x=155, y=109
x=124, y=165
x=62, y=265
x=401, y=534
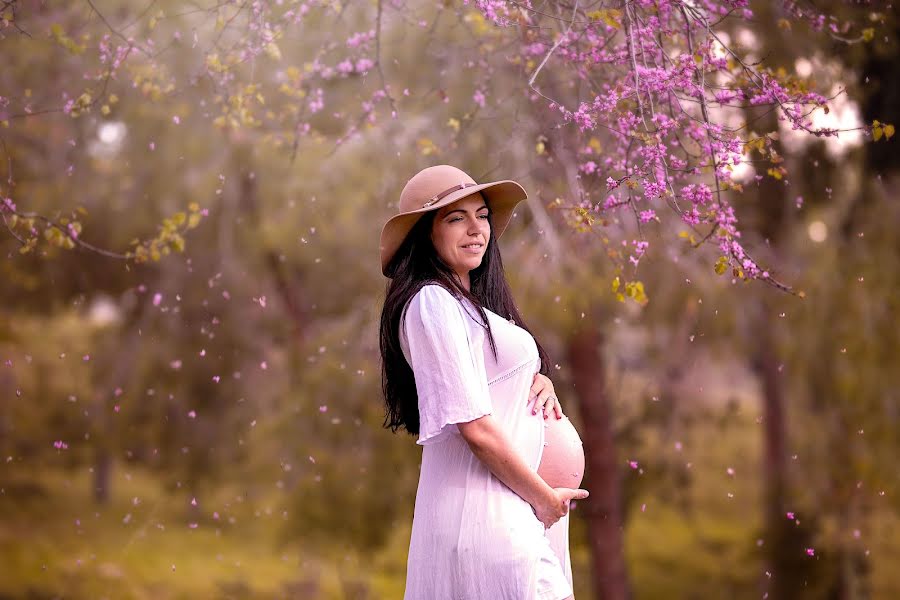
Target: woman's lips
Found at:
x=473, y=249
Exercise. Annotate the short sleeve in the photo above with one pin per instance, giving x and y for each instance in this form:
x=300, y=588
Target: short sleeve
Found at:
x=447, y=358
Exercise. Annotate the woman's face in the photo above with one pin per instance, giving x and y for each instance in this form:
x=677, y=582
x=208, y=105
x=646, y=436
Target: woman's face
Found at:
x=460, y=234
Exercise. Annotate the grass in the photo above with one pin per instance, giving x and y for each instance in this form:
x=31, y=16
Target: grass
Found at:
x=63, y=545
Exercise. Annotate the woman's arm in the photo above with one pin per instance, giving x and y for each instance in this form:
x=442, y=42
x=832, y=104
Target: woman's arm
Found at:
x=490, y=444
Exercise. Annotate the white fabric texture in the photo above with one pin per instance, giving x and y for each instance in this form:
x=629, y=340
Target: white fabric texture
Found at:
x=473, y=538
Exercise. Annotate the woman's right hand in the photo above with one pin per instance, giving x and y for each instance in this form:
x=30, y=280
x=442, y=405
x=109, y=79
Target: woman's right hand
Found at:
x=556, y=505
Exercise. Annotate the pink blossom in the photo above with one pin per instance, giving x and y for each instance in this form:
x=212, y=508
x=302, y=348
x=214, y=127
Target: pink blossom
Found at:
x=647, y=215
x=588, y=168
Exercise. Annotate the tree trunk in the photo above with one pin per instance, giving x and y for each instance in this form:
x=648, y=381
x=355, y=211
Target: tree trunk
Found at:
x=603, y=509
x=102, y=474
x=123, y=357
x=789, y=570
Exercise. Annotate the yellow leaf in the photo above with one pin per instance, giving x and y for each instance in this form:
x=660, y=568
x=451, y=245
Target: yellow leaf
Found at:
x=868, y=34
x=610, y=16
x=877, y=132
x=721, y=265
x=426, y=147
x=888, y=132
x=784, y=24
x=273, y=51
x=453, y=124
x=477, y=21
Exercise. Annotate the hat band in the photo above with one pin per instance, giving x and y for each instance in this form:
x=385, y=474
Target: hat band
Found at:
x=446, y=193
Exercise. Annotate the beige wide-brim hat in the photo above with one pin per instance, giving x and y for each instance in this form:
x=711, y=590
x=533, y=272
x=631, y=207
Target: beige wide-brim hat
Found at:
x=438, y=186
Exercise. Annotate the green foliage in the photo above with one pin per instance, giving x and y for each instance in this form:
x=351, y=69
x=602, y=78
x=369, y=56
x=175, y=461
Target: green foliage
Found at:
x=170, y=238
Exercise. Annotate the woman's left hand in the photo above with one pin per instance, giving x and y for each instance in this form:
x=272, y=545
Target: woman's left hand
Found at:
x=544, y=397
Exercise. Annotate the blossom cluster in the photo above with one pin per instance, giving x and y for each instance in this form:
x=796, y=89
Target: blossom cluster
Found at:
x=670, y=96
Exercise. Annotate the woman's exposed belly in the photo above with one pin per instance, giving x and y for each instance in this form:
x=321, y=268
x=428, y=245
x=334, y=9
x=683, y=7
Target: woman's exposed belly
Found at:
x=562, y=463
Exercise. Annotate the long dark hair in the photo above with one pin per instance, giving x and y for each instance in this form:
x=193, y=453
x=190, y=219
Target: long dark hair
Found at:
x=416, y=264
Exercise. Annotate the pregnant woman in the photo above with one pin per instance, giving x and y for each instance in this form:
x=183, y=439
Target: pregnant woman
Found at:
x=500, y=462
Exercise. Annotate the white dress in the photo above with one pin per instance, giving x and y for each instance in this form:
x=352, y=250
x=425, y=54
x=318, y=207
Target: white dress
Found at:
x=473, y=538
